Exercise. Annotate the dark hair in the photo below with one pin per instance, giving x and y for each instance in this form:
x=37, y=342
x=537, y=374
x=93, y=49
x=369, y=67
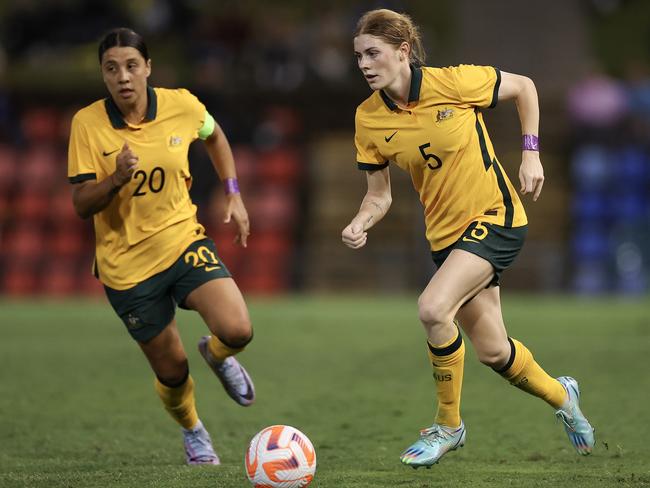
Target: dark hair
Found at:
x=123, y=37
x=393, y=28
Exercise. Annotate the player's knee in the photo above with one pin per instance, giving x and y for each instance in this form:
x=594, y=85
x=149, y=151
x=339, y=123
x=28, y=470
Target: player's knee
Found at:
x=237, y=337
x=174, y=373
x=433, y=313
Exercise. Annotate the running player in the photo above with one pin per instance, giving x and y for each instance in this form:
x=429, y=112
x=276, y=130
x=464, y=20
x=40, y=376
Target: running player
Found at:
x=129, y=168
x=429, y=122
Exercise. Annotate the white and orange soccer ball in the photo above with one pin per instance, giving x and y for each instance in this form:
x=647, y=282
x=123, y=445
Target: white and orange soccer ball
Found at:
x=280, y=456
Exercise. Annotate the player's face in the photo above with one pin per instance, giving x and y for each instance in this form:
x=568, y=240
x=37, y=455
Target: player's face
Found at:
x=379, y=62
x=125, y=73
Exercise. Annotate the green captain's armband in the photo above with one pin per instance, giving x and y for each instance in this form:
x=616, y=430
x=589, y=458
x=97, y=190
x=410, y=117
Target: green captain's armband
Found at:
x=208, y=127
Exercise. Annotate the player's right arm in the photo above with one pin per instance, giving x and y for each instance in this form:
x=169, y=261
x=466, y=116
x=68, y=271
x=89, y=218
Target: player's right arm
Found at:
x=90, y=197
x=374, y=206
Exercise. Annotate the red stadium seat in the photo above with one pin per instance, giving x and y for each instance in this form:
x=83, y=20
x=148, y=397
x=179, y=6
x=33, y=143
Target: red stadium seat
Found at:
x=61, y=210
x=40, y=168
x=65, y=242
x=280, y=166
x=19, y=279
x=266, y=265
x=23, y=243
x=31, y=205
x=273, y=208
x=8, y=167
x=59, y=278
x=40, y=124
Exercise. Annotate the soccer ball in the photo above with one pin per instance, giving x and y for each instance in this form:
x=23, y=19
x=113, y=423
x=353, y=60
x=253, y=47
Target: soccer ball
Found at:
x=280, y=456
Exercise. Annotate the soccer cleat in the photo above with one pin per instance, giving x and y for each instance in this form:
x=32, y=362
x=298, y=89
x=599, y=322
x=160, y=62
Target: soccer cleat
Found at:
x=233, y=376
x=434, y=443
x=198, y=446
x=578, y=428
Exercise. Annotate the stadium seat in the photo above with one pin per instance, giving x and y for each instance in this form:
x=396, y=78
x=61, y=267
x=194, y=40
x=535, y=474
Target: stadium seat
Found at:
x=280, y=165
x=61, y=210
x=273, y=207
x=66, y=241
x=40, y=124
x=19, y=278
x=40, y=168
x=58, y=277
x=24, y=243
x=8, y=167
x=31, y=205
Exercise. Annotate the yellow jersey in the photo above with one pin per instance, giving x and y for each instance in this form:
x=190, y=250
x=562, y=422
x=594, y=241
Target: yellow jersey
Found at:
x=152, y=219
x=440, y=139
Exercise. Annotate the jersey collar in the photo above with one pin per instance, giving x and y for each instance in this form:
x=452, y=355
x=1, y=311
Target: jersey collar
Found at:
x=115, y=116
x=414, y=91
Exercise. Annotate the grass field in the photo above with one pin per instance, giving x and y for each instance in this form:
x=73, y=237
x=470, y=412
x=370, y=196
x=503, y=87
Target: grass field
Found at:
x=78, y=409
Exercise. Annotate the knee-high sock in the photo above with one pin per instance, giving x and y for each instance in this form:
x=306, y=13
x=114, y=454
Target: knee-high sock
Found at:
x=220, y=351
x=179, y=401
x=523, y=372
x=448, y=361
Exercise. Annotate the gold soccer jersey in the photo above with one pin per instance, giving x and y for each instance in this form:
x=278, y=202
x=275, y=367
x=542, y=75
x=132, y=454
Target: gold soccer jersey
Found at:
x=441, y=140
x=151, y=220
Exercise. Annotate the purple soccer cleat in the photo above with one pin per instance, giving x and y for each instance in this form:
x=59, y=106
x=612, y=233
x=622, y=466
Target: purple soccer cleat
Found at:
x=198, y=446
x=234, y=378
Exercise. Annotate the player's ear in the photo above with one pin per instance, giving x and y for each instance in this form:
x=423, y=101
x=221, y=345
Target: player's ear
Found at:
x=148, y=64
x=404, y=51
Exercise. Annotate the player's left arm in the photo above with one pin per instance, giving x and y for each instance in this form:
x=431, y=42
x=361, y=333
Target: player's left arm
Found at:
x=523, y=91
x=223, y=161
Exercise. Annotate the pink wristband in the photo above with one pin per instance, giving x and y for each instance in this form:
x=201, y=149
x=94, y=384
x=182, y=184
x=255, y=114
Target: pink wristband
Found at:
x=230, y=186
x=530, y=142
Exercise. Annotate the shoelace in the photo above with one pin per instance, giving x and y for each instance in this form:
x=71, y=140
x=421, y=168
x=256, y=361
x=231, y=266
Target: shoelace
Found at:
x=567, y=420
x=432, y=434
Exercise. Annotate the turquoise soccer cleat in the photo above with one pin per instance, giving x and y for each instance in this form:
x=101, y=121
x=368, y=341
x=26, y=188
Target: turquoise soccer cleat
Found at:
x=198, y=446
x=578, y=428
x=434, y=443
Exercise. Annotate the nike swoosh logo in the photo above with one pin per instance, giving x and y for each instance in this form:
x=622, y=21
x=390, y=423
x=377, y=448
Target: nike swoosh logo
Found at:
x=249, y=393
x=109, y=153
x=387, y=139
x=467, y=239
x=211, y=268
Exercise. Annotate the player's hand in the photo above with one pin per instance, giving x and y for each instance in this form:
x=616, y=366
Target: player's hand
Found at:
x=531, y=174
x=354, y=236
x=125, y=165
x=235, y=209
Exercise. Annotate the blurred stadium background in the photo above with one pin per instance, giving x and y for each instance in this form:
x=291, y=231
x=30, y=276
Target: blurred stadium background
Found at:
x=283, y=83
x=281, y=78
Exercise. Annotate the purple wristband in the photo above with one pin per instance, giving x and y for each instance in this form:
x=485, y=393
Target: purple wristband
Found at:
x=530, y=142
x=231, y=186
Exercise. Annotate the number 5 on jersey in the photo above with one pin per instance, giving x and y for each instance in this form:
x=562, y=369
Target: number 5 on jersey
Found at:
x=427, y=156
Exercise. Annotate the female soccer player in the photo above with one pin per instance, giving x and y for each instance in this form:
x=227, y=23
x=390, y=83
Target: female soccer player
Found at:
x=428, y=121
x=129, y=168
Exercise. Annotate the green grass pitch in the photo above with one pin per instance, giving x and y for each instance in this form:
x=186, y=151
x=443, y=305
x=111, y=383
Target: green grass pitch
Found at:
x=78, y=408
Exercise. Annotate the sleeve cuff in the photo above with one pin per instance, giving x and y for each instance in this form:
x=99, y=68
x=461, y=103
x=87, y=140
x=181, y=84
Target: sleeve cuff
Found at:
x=495, y=93
x=371, y=166
x=82, y=177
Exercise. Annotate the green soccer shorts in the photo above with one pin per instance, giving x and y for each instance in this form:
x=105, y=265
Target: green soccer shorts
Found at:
x=148, y=307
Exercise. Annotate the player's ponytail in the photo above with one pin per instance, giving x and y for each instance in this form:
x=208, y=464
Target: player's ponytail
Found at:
x=394, y=28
